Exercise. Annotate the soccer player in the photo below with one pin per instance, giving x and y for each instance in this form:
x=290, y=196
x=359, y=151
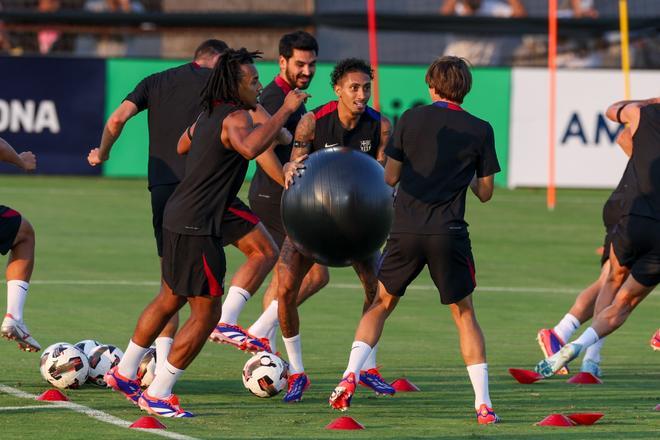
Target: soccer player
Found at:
x=438, y=151
x=193, y=264
x=636, y=238
x=297, y=60
x=350, y=122
x=17, y=239
x=599, y=294
x=172, y=99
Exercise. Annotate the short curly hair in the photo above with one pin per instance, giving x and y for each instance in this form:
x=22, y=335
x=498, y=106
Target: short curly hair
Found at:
x=349, y=65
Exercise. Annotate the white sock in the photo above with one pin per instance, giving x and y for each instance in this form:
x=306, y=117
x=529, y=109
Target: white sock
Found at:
x=294, y=352
x=589, y=337
x=479, y=378
x=17, y=291
x=566, y=327
x=593, y=351
x=128, y=364
x=164, y=381
x=163, y=346
x=236, y=299
x=371, y=360
x=360, y=351
x=266, y=321
x=272, y=337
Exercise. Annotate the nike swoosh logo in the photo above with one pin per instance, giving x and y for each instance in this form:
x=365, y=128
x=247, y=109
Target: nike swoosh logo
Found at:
x=330, y=146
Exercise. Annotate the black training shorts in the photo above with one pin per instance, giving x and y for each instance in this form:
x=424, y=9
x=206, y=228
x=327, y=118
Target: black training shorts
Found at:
x=236, y=223
x=607, y=246
x=193, y=265
x=270, y=216
x=636, y=242
x=10, y=222
x=449, y=259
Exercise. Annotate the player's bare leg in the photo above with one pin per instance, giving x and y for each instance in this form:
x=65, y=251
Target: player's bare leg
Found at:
x=290, y=271
x=18, y=274
x=261, y=254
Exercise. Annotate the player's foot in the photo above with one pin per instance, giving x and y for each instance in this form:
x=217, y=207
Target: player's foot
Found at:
x=589, y=366
x=15, y=330
x=550, y=344
x=554, y=363
x=253, y=344
x=229, y=334
x=340, y=399
x=130, y=388
x=486, y=415
x=168, y=407
x=298, y=384
x=371, y=378
x=655, y=341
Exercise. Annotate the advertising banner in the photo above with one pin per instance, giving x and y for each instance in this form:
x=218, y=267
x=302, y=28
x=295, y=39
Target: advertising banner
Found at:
x=587, y=155
x=54, y=108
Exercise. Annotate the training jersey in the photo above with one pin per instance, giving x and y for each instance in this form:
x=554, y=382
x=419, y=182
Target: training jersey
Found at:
x=272, y=98
x=441, y=148
x=329, y=132
x=173, y=100
x=646, y=163
x=214, y=174
x=618, y=204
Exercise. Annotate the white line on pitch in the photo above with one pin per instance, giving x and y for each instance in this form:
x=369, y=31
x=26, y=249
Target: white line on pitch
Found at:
x=511, y=289
x=95, y=414
x=18, y=408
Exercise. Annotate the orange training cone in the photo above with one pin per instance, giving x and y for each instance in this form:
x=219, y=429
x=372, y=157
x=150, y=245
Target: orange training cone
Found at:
x=344, y=422
x=525, y=376
x=556, y=420
x=585, y=418
x=52, y=396
x=148, y=422
x=403, y=385
x=584, y=378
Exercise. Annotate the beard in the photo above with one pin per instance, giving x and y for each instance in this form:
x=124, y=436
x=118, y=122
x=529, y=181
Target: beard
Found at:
x=293, y=80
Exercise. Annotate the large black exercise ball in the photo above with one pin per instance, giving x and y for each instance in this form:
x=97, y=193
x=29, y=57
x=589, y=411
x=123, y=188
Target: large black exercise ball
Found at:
x=340, y=209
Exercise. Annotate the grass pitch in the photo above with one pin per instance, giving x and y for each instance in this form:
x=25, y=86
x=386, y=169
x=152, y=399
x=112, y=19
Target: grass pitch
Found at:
x=97, y=268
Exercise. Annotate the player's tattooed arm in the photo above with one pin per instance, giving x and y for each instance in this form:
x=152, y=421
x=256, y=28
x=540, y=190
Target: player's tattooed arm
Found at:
x=302, y=143
x=385, y=134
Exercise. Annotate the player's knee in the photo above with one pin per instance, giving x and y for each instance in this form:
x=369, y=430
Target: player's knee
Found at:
x=320, y=277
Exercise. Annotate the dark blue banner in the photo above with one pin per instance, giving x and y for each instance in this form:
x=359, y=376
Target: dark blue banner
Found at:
x=55, y=108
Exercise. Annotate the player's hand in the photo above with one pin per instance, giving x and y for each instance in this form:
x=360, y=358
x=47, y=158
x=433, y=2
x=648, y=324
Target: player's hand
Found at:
x=29, y=160
x=284, y=137
x=294, y=99
x=95, y=158
x=292, y=169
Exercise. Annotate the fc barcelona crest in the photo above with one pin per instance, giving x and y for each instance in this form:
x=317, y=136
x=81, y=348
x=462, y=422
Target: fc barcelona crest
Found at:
x=365, y=145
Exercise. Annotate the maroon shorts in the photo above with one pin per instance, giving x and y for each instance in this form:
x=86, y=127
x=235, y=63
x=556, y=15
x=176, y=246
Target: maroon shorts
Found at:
x=10, y=222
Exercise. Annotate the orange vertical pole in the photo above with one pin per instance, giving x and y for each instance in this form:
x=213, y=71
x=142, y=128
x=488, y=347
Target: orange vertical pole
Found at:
x=373, y=51
x=552, y=108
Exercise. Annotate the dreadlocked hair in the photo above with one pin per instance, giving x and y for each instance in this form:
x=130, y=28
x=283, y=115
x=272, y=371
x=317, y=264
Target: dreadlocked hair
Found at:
x=222, y=85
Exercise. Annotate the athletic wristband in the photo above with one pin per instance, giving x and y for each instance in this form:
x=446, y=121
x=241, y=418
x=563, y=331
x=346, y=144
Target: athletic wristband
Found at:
x=618, y=113
x=302, y=144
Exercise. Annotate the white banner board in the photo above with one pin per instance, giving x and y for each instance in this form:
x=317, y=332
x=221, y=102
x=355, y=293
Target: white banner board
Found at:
x=586, y=154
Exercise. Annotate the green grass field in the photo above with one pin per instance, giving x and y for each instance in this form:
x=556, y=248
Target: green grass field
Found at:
x=97, y=268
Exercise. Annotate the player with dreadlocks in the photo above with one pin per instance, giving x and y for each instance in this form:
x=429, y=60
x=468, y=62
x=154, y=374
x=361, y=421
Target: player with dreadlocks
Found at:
x=194, y=265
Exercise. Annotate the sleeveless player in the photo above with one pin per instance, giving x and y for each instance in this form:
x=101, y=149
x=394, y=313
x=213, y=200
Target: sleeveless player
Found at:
x=438, y=151
x=636, y=238
x=193, y=264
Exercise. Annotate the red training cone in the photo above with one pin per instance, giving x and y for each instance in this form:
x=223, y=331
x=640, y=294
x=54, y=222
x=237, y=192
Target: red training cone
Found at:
x=525, y=376
x=148, y=422
x=584, y=378
x=585, y=418
x=403, y=385
x=556, y=420
x=52, y=396
x=657, y=407
x=344, y=422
